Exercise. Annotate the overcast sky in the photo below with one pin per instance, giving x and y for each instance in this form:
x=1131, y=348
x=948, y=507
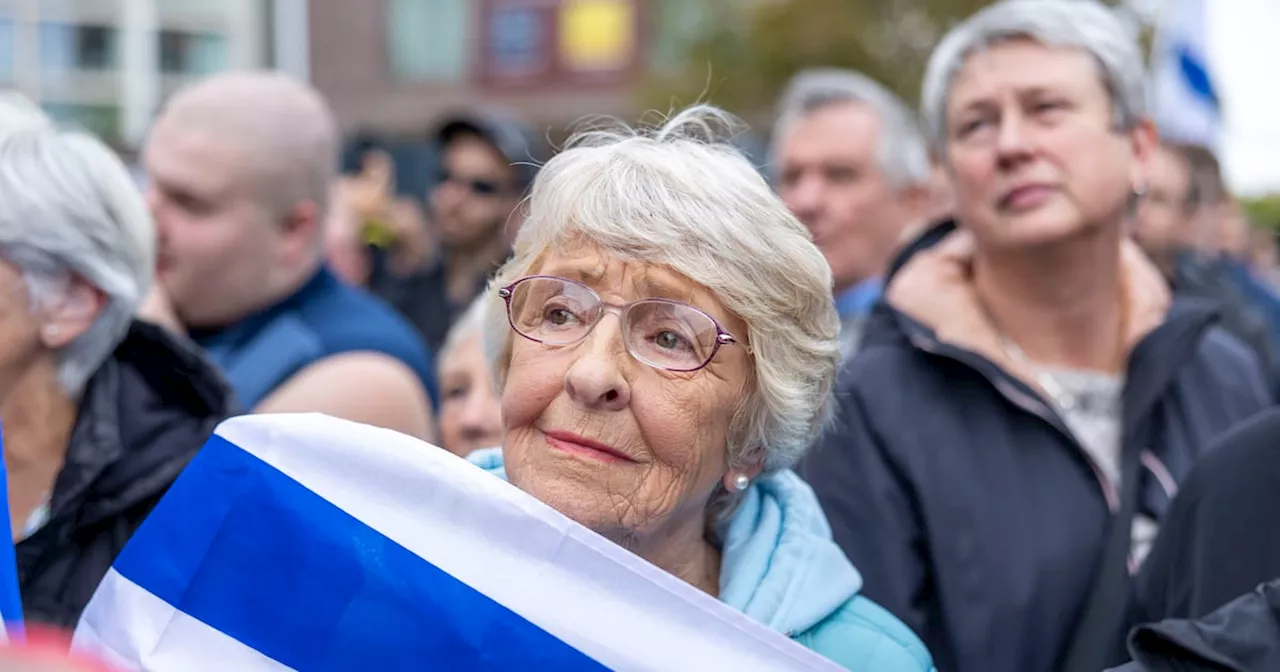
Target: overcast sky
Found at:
x=1244, y=45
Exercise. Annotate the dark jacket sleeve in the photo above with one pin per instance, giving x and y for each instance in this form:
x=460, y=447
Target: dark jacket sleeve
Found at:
x=1214, y=543
x=871, y=508
x=1242, y=636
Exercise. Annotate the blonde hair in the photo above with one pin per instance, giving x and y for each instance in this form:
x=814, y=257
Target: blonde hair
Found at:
x=679, y=195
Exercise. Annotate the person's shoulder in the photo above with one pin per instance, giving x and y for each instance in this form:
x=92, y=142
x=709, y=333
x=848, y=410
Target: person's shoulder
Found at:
x=862, y=636
x=348, y=319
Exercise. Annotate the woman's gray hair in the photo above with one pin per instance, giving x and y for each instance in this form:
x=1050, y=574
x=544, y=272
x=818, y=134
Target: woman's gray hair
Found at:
x=903, y=155
x=466, y=327
x=1087, y=25
x=69, y=207
x=680, y=196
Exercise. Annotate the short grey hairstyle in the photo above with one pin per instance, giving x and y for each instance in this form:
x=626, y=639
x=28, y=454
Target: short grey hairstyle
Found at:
x=470, y=325
x=1077, y=24
x=680, y=196
x=903, y=153
x=69, y=207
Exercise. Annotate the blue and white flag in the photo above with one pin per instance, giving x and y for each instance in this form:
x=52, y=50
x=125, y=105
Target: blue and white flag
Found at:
x=1185, y=102
x=310, y=543
x=10, y=598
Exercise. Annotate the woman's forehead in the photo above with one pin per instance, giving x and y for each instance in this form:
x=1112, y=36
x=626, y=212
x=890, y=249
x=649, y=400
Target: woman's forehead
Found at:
x=1020, y=65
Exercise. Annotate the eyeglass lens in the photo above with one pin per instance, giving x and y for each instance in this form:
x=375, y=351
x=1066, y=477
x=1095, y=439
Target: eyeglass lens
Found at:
x=665, y=334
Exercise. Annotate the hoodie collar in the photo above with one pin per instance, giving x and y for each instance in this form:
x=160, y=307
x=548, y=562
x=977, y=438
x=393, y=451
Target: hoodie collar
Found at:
x=780, y=565
x=935, y=289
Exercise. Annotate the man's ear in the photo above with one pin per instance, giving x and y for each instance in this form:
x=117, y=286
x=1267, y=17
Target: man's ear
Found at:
x=302, y=230
x=72, y=315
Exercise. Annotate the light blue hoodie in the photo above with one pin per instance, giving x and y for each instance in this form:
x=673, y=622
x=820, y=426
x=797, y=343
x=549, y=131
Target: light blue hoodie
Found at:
x=780, y=567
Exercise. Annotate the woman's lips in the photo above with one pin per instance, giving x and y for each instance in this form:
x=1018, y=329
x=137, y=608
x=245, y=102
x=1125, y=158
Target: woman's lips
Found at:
x=579, y=445
x=1026, y=197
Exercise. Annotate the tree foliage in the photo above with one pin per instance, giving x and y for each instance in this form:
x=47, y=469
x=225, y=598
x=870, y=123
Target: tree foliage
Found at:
x=746, y=50
x=1264, y=212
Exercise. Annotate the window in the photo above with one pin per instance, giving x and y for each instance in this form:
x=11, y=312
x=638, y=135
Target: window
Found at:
x=597, y=34
x=74, y=47
x=515, y=40
x=191, y=53
x=427, y=39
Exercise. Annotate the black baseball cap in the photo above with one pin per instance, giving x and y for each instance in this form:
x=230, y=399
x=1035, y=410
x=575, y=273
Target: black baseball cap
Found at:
x=513, y=139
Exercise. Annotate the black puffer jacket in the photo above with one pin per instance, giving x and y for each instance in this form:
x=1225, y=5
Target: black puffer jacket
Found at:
x=145, y=413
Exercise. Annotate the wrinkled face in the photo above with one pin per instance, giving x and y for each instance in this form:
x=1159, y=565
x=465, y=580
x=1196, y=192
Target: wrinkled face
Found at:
x=831, y=180
x=475, y=195
x=624, y=448
x=1031, y=146
x=471, y=412
x=217, y=244
x=1163, y=220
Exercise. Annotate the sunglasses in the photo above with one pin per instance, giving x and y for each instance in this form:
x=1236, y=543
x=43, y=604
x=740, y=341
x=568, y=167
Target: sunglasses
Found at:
x=477, y=186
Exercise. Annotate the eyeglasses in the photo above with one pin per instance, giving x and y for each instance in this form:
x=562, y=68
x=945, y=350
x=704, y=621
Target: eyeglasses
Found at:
x=664, y=334
x=477, y=186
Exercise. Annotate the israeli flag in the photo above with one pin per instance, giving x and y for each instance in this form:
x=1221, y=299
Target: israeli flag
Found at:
x=1185, y=102
x=310, y=543
x=10, y=598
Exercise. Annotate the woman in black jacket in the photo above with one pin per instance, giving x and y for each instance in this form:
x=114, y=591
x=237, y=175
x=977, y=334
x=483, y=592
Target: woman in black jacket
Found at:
x=100, y=413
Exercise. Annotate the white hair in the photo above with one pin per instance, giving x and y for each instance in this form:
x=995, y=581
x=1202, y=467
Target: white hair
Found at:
x=1077, y=24
x=466, y=327
x=682, y=197
x=69, y=207
x=903, y=154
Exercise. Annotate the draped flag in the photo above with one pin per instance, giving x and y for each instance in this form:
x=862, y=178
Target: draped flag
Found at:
x=1185, y=103
x=310, y=543
x=10, y=598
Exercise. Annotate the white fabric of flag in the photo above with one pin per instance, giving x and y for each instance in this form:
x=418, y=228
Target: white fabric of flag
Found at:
x=306, y=542
x=1185, y=102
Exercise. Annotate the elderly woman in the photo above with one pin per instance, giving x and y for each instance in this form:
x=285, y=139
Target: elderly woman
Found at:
x=100, y=412
x=665, y=341
x=470, y=410
x=1027, y=402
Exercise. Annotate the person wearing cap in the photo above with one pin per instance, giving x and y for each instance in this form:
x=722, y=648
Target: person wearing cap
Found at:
x=486, y=163
x=240, y=169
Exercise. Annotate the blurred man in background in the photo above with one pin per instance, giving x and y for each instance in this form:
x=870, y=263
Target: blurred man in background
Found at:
x=853, y=166
x=1179, y=225
x=239, y=169
x=486, y=163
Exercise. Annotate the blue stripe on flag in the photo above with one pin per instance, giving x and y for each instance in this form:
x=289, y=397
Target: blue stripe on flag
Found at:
x=10, y=596
x=254, y=554
x=1196, y=75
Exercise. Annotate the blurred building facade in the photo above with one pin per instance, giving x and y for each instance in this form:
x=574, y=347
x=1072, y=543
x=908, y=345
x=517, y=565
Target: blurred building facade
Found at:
x=393, y=66
x=106, y=64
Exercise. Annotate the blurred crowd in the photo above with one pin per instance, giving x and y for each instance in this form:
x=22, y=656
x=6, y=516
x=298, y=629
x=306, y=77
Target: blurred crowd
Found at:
x=1031, y=387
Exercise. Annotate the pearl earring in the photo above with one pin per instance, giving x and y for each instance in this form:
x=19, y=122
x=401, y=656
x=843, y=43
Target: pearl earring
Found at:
x=740, y=482
x=50, y=330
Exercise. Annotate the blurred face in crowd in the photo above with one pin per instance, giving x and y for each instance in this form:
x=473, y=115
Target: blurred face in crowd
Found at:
x=1164, y=218
x=1232, y=229
x=627, y=449
x=1032, y=148
x=471, y=413
x=831, y=180
x=220, y=245
x=476, y=193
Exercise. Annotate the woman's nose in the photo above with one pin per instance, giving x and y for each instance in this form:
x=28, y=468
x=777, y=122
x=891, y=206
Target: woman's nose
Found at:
x=596, y=378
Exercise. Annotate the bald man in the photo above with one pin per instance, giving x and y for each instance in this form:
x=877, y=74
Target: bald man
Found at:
x=239, y=168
